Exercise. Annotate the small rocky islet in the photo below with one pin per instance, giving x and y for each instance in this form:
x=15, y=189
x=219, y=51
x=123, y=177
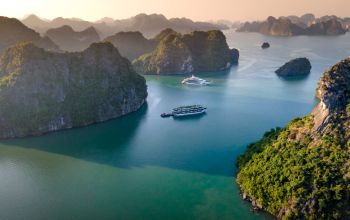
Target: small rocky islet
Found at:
x=302, y=171
x=265, y=45
x=294, y=68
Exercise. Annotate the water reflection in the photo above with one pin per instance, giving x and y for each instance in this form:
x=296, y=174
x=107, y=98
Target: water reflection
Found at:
x=190, y=117
x=292, y=79
x=103, y=143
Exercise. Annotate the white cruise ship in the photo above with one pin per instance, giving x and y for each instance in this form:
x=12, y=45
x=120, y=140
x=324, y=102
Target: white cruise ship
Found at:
x=193, y=80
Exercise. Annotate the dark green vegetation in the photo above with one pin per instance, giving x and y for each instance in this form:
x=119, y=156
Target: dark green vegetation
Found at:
x=303, y=170
x=295, y=67
x=289, y=26
x=69, y=40
x=13, y=31
x=43, y=91
x=198, y=51
x=132, y=44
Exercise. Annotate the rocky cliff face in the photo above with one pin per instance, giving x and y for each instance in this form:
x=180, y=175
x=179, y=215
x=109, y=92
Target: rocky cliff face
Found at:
x=132, y=44
x=43, y=91
x=334, y=94
x=284, y=26
x=183, y=54
x=70, y=40
x=303, y=171
x=13, y=31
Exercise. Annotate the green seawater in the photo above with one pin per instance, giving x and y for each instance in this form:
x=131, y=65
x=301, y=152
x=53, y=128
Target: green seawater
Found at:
x=142, y=166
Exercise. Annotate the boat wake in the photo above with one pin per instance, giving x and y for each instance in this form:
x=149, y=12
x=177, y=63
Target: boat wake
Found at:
x=154, y=102
x=196, y=81
x=248, y=65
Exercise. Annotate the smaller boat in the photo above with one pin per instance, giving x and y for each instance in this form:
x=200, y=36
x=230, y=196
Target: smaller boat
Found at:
x=193, y=80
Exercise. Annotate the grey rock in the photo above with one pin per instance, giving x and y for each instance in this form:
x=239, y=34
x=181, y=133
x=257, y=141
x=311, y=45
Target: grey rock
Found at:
x=295, y=67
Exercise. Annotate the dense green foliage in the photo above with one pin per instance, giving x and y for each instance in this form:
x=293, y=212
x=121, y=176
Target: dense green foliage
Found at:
x=303, y=170
x=258, y=147
x=210, y=51
x=42, y=91
x=294, y=177
x=198, y=51
x=171, y=56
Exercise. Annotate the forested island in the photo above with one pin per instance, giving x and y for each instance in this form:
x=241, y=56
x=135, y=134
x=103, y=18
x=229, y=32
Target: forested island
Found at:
x=198, y=51
x=42, y=91
x=302, y=171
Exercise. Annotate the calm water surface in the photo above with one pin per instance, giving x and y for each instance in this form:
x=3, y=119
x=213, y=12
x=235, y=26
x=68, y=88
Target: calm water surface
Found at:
x=144, y=167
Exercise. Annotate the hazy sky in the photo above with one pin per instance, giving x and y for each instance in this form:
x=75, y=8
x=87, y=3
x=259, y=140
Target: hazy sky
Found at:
x=194, y=9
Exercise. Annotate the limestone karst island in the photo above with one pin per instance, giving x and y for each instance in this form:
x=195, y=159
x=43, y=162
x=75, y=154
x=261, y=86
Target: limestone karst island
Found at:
x=151, y=110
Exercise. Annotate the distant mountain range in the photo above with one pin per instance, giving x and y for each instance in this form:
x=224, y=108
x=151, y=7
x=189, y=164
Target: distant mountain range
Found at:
x=149, y=25
x=133, y=36
x=70, y=40
x=77, y=35
x=132, y=44
x=13, y=31
x=307, y=24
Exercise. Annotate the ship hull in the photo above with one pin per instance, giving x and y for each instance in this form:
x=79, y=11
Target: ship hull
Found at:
x=189, y=114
